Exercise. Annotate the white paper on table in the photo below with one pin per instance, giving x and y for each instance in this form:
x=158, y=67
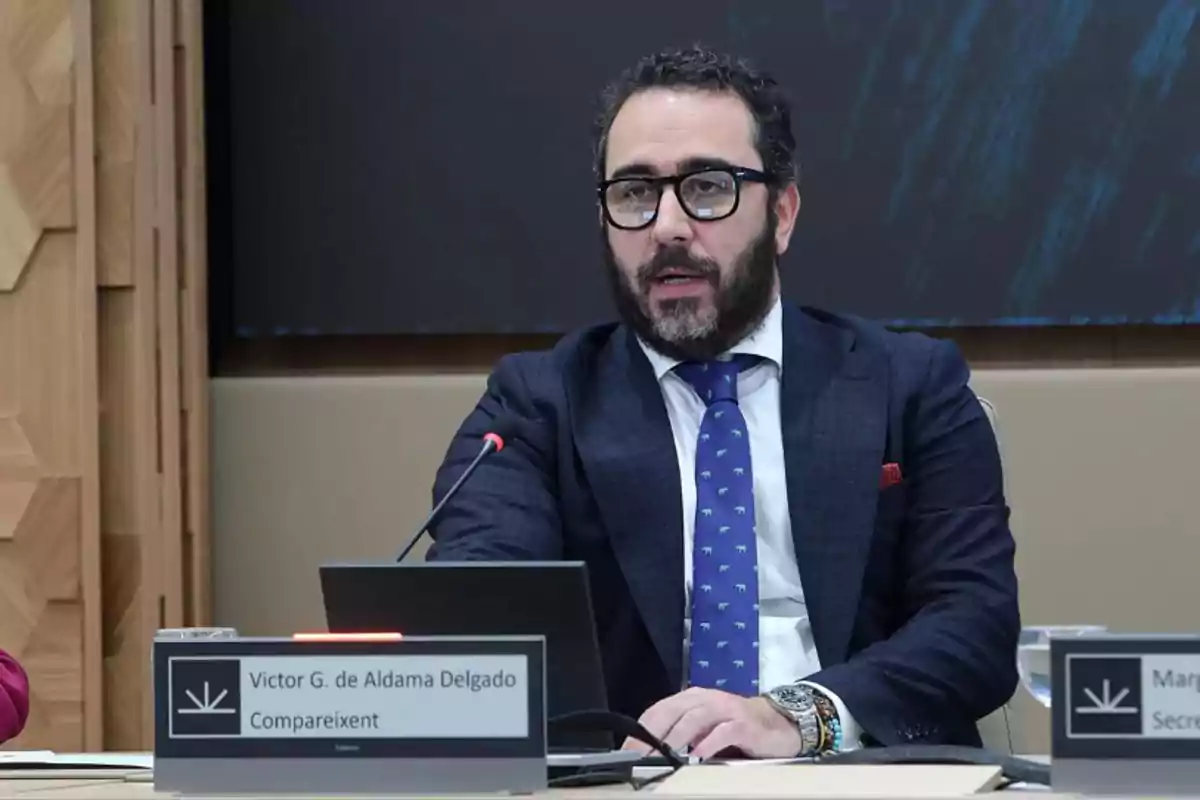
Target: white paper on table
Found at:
x=48, y=758
x=27, y=756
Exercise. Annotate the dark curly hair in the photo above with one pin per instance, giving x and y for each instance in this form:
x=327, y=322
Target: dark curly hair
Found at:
x=698, y=67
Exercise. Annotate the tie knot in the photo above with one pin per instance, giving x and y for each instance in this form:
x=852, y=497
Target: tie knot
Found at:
x=715, y=380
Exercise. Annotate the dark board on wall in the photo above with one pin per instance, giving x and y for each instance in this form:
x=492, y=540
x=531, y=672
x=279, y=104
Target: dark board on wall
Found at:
x=424, y=166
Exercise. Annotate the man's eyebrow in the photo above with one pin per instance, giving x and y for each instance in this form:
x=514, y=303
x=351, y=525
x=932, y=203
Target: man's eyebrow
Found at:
x=704, y=162
x=637, y=169
x=640, y=169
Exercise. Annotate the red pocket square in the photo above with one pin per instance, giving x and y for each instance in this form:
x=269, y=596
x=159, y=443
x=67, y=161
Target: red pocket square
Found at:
x=890, y=476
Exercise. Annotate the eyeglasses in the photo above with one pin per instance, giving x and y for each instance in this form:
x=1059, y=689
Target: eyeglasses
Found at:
x=705, y=195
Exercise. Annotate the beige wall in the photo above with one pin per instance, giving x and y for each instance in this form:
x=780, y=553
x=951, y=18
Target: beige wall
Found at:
x=1100, y=469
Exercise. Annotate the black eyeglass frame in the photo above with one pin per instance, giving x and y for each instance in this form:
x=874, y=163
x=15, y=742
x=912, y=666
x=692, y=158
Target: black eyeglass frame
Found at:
x=739, y=175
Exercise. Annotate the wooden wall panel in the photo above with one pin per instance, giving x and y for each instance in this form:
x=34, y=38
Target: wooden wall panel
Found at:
x=117, y=83
x=193, y=311
x=169, y=558
x=154, y=362
x=49, y=480
x=103, y=483
x=128, y=381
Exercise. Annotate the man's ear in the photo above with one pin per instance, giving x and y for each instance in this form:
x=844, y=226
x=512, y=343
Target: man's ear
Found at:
x=787, y=208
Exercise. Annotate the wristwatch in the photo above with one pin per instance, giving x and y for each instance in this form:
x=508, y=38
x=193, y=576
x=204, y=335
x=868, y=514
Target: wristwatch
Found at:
x=798, y=704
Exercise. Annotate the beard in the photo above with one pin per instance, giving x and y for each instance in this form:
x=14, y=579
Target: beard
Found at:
x=688, y=328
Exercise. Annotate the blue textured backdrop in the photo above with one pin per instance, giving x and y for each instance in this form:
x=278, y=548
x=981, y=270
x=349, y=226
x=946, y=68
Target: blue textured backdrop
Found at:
x=1021, y=162
x=424, y=166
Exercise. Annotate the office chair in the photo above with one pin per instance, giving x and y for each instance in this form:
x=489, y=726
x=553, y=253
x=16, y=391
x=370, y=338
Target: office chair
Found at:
x=996, y=728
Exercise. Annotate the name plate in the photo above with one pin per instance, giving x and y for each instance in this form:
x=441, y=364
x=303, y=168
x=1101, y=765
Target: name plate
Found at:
x=1125, y=714
x=350, y=715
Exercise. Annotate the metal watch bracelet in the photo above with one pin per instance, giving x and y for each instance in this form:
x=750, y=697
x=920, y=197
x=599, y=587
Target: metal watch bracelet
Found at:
x=799, y=704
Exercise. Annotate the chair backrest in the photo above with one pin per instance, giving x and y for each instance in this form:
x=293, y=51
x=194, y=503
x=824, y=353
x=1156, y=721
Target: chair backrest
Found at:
x=990, y=411
x=995, y=728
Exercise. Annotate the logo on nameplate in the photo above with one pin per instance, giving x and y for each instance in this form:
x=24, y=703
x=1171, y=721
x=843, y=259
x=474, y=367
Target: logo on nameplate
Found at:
x=1104, y=695
x=206, y=697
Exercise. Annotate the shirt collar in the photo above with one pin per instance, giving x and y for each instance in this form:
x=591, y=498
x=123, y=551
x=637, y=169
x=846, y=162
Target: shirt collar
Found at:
x=766, y=341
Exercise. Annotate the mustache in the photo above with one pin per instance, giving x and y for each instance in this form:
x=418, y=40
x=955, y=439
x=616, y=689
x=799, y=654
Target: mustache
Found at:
x=677, y=258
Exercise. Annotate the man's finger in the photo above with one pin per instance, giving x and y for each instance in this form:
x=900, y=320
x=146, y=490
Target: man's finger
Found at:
x=634, y=744
x=695, y=724
x=729, y=733
x=661, y=717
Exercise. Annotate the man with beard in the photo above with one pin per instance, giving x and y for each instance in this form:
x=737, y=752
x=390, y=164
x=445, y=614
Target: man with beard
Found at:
x=793, y=522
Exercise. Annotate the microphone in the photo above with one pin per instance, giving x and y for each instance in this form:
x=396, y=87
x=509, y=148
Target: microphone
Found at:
x=493, y=442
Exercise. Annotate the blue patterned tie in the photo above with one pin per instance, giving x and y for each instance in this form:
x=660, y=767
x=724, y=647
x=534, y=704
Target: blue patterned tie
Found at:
x=724, y=636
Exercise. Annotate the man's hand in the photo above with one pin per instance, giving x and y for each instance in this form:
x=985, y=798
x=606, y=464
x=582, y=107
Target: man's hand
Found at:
x=710, y=721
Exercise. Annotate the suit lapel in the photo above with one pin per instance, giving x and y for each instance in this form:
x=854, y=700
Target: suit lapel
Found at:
x=833, y=408
x=628, y=452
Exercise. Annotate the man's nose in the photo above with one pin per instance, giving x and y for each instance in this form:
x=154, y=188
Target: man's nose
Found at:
x=672, y=223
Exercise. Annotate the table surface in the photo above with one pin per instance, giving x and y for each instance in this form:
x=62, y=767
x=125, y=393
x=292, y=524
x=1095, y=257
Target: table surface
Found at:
x=135, y=784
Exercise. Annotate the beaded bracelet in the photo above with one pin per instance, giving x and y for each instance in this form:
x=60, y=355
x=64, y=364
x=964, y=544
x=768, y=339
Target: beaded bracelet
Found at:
x=830, y=725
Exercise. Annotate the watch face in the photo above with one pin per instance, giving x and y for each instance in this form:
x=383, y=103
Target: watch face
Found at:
x=794, y=698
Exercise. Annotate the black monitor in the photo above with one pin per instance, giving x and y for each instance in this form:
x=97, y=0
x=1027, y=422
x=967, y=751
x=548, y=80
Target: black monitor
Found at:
x=478, y=598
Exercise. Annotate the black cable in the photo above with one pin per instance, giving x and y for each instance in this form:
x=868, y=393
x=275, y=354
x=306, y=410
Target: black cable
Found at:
x=589, y=778
x=1012, y=768
x=606, y=777
x=638, y=785
x=618, y=725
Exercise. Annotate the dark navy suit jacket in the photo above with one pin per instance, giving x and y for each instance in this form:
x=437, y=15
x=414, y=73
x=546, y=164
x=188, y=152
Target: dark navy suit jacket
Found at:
x=910, y=588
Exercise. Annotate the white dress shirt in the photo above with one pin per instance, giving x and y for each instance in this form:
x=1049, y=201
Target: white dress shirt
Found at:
x=786, y=649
